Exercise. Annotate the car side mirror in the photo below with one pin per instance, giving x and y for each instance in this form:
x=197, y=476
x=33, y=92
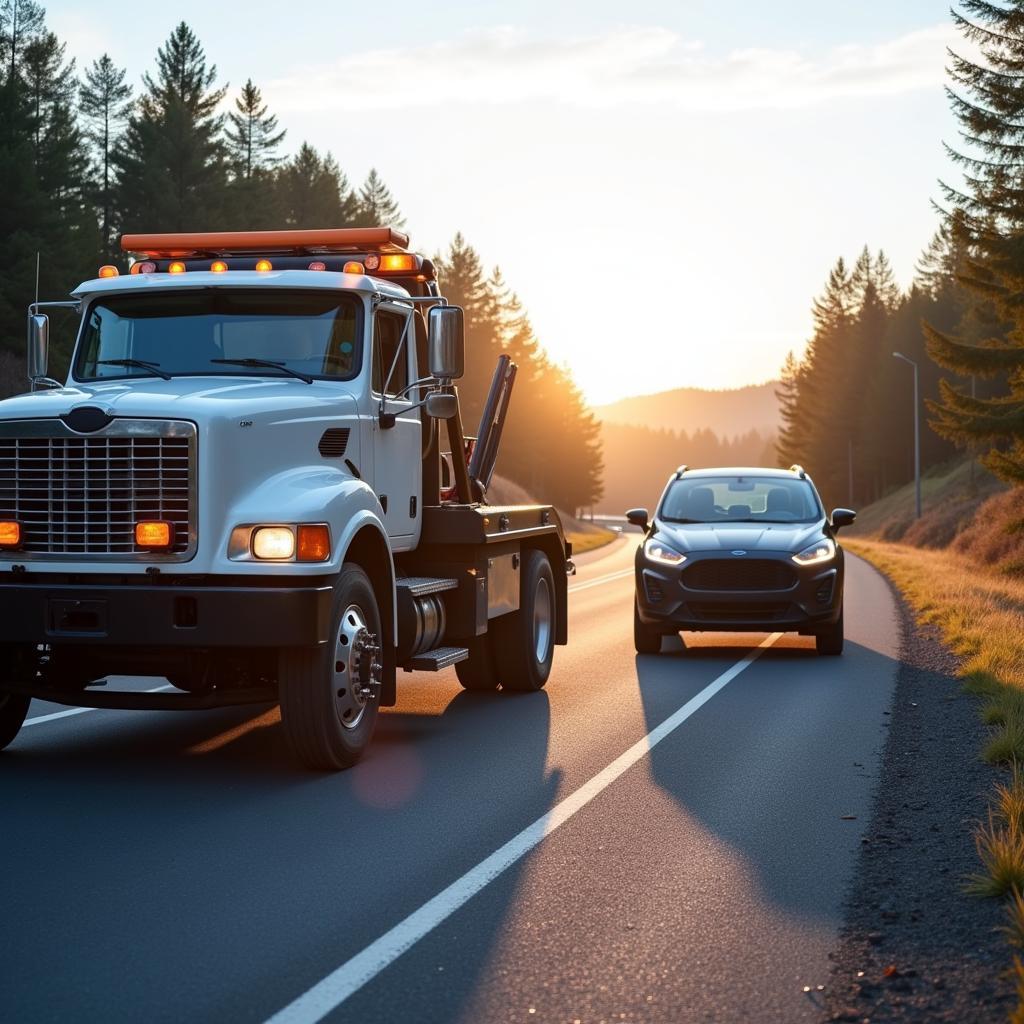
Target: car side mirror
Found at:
x=38, y=345
x=446, y=342
x=843, y=517
x=441, y=405
x=638, y=517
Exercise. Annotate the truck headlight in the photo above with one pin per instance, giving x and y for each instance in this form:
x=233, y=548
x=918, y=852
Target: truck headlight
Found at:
x=273, y=542
x=820, y=551
x=658, y=552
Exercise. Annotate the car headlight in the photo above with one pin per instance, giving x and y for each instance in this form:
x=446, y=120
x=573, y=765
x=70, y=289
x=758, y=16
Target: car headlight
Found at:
x=820, y=551
x=658, y=552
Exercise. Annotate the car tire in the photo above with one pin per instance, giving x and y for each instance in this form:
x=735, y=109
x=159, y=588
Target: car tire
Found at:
x=13, y=709
x=523, y=642
x=829, y=640
x=477, y=673
x=327, y=721
x=645, y=639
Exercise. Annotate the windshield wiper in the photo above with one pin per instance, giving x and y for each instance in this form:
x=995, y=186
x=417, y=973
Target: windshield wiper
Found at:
x=283, y=367
x=139, y=364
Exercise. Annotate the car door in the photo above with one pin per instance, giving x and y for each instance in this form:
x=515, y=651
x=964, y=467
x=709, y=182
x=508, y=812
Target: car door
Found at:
x=397, y=465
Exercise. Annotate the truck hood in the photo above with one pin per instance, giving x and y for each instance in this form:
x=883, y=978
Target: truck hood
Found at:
x=200, y=399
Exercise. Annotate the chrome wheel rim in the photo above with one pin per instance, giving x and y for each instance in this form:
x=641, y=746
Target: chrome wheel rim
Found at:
x=542, y=615
x=356, y=667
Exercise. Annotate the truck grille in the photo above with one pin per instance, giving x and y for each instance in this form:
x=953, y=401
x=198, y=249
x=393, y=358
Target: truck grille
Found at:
x=80, y=495
x=739, y=574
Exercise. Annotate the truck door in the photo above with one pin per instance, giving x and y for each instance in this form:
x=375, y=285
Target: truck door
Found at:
x=397, y=466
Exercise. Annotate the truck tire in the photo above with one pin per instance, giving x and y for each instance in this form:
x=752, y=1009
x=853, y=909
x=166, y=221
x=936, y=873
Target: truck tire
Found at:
x=645, y=639
x=830, y=639
x=13, y=709
x=523, y=642
x=328, y=720
x=477, y=671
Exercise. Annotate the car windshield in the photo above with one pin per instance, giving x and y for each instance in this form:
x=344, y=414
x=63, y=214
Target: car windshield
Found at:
x=309, y=332
x=747, y=499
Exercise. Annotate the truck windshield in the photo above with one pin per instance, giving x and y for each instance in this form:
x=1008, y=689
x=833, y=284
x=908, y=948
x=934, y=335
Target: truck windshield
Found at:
x=315, y=333
x=749, y=499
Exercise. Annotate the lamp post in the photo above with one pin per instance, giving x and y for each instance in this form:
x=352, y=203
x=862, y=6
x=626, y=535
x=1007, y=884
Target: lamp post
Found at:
x=917, y=436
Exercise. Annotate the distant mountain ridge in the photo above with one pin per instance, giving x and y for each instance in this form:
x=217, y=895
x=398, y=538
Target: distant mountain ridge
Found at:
x=727, y=413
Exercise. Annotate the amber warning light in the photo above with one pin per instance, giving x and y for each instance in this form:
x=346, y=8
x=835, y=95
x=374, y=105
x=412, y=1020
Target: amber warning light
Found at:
x=10, y=534
x=154, y=534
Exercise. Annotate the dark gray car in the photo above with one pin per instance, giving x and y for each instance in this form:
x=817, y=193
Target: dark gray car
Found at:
x=738, y=549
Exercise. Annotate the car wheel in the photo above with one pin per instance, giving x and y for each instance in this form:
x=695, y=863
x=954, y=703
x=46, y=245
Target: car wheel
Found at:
x=330, y=694
x=13, y=709
x=645, y=639
x=830, y=639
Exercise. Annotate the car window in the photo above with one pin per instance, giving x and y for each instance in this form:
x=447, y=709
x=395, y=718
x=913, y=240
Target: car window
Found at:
x=388, y=328
x=738, y=498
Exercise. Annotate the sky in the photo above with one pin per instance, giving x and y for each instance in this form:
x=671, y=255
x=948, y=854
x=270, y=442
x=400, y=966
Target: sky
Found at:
x=665, y=184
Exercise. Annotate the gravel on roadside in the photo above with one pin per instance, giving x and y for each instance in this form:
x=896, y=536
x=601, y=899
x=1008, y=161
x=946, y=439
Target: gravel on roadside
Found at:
x=915, y=946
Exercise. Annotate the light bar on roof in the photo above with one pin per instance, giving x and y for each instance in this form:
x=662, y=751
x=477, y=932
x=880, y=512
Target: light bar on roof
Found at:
x=238, y=243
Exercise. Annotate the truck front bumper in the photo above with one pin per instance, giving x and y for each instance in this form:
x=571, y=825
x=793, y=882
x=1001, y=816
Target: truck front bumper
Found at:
x=210, y=614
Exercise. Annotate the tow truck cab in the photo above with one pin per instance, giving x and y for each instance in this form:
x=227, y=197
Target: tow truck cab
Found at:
x=241, y=487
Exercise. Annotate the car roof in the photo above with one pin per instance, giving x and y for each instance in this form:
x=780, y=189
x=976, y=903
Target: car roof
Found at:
x=763, y=471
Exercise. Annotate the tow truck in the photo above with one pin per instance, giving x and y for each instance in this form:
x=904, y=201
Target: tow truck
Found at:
x=241, y=487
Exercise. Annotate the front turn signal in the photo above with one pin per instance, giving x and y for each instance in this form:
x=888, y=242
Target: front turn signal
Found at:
x=314, y=543
x=10, y=534
x=154, y=534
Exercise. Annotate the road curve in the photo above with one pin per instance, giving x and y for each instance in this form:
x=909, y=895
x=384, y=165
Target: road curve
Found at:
x=169, y=866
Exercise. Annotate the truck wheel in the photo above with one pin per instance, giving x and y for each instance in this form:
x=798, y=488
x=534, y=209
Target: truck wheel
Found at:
x=477, y=671
x=523, y=642
x=645, y=639
x=330, y=694
x=13, y=709
x=830, y=639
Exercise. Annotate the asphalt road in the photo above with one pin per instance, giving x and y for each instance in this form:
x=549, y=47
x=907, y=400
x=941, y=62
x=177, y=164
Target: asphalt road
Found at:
x=527, y=858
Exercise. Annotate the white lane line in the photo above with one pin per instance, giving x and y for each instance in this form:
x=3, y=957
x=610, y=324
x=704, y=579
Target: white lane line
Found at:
x=601, y=579
x=327, y=995
x=40, y=719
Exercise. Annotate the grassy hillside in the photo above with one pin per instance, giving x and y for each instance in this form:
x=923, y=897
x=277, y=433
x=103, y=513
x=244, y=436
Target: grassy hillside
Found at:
x=726, y=413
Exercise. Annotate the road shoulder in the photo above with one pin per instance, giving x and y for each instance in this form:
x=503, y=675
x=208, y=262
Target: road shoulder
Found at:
x=915, y=946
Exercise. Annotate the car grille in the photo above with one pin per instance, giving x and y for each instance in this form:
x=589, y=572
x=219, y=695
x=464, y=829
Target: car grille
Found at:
x=739, y=574
x=80, y=496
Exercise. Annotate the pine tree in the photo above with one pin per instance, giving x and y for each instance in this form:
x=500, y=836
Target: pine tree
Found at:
x=252, y=137
x=171, y=160
x=20, y=22
x=313, y=192
x=376, y=204
x=989, y=103
x=104, y=101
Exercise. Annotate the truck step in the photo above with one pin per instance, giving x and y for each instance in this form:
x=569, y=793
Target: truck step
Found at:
x=421, y=586
x=437, y=659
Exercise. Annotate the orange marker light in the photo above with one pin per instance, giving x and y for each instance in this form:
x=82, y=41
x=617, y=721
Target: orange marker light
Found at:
x=10, y=533
x=218, y=266
x=108, y=271
x=177, y=267
x=314, y=543
x=145, y=267
x=392, y=262
x=154, y=534
x=264, y=265
x=352, y=267
x=317, y=265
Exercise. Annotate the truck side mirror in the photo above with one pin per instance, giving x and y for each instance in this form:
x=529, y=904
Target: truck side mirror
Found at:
x=441, y=406
x=446, y=342
x=38, y=345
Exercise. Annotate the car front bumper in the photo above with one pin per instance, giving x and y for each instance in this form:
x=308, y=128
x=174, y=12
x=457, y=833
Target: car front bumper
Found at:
x=814, y=599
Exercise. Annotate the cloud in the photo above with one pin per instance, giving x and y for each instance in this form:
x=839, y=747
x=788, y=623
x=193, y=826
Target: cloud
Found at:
x=641, y=65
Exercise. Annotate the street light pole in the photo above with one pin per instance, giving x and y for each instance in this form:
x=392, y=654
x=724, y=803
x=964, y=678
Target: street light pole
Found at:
x=917, y=436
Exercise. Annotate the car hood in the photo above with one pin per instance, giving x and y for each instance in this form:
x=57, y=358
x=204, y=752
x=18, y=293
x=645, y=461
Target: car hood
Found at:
x=696, y=537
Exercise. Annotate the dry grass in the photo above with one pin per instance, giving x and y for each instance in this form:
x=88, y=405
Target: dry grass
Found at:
x=590, y=540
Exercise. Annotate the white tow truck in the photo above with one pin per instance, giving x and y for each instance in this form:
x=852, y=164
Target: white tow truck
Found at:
x=241, y=487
